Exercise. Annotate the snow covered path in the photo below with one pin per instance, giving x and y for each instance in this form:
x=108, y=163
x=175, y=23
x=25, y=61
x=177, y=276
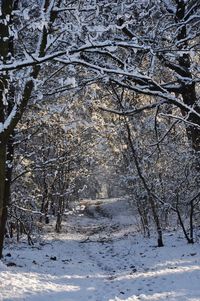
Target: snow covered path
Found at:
x=101, y=257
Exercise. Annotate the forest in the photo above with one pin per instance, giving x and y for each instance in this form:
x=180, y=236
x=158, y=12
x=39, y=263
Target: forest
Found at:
x=99, y=150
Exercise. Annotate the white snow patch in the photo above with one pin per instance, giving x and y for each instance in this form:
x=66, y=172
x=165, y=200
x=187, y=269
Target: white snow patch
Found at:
x=100, y=256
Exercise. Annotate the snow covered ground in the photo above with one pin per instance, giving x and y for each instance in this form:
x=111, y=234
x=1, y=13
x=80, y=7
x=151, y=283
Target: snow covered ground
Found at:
x=100, y=256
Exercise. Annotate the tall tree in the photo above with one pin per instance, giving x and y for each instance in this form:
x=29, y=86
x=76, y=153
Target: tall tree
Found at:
x=18, y=51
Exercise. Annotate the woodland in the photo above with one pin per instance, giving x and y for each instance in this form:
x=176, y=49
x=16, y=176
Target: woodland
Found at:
x=99, y=99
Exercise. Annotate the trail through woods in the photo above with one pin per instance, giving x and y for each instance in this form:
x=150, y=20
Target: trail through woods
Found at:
x=101, y=256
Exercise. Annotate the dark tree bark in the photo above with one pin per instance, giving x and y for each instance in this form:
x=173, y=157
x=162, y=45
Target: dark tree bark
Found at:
x=188, y=90
x=6, y=140
x=3, y=210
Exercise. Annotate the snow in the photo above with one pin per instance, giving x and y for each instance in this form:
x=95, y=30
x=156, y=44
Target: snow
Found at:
x=101, y=256
x=7, y=122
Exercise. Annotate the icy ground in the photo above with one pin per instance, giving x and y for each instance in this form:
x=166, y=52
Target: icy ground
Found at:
x=100, y=256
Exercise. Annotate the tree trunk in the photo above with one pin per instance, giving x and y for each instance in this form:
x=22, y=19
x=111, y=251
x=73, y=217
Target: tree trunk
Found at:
x=188, y=92
x=156, y=220
x=6, y=134
x=3, y=208
x=6, y=50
